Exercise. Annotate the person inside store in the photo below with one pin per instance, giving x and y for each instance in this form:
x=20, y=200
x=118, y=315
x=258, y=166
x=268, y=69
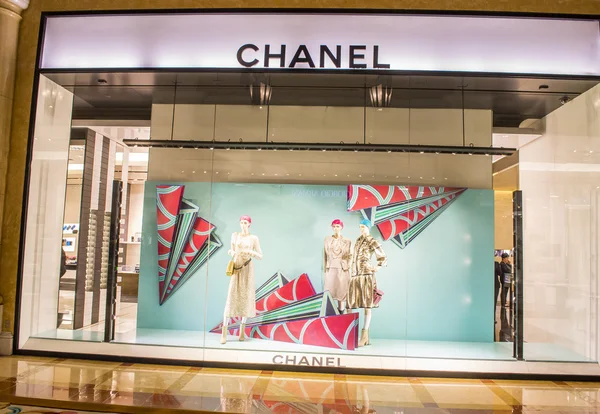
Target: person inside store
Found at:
x=506, y=269
x=63, y=259
x=497, y=284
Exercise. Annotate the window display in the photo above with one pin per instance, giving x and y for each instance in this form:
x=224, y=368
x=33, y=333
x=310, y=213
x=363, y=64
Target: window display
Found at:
x=332, y=278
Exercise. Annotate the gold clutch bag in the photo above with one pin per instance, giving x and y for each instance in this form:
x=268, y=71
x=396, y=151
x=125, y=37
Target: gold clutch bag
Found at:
x=230, y=268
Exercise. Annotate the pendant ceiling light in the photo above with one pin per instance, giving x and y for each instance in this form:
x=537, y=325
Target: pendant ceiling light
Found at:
x=260, y=93
x=381, y=96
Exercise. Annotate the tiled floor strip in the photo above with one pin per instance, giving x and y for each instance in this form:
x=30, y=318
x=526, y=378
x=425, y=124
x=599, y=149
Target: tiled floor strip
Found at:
x=142, y=388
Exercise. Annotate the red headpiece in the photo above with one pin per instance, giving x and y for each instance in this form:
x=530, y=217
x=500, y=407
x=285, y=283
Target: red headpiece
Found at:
x=337, y=221
x=247, y=218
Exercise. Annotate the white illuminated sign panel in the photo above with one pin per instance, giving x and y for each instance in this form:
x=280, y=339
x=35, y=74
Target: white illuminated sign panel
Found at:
x=323, y=41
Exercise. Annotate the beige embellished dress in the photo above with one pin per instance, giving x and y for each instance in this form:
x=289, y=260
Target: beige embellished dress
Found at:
x=241, y=297
x=363, y=282
x=338, y=256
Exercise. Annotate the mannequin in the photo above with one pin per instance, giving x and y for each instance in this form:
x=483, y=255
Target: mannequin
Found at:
x=363, y=282
x=337, y=258
x=241, y=297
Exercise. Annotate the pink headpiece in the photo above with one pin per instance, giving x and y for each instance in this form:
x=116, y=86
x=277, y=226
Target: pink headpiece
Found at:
x=337, y=221
x=247, y=218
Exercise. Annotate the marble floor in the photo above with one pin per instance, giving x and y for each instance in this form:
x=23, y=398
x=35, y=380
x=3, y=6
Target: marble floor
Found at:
x=70, y=384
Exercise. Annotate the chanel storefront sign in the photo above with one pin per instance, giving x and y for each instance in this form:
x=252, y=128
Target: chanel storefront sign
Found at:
x=321, y=41
x=308, y=360
x=338, y=56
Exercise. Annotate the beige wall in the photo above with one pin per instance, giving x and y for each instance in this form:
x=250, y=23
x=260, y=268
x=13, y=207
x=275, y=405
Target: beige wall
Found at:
x=503, y=226
x=28, y=38
x=73, y=203
x=322, y=124
x=560, y=180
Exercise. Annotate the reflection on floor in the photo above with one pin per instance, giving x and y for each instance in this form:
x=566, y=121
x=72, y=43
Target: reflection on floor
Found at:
x=125, y=387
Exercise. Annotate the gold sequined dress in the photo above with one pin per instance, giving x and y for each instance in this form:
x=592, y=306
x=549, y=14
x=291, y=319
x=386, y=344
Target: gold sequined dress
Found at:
x=363, y=282
x=338, y=256
x=241, y=297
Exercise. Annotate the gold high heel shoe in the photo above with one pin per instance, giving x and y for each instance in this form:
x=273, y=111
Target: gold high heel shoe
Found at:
x=364, y=338
x=242, y=333
x=224, y=335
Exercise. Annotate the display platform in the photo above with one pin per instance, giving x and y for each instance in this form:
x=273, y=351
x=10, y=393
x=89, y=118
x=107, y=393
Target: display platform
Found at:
x=501, y=351
x=379, y=347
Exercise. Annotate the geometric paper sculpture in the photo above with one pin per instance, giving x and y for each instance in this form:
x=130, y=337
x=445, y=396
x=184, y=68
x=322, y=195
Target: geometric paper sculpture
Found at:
x=199, y=260
x=185, y=240
x=339, y=331
x=191, y=255
x=288, y=293
x=421, y=218
x=313, y=307
x=183, y=226
x=272, y=284
x=294, y=313
x=400, y=212
x=298, y=289
x=168, y=199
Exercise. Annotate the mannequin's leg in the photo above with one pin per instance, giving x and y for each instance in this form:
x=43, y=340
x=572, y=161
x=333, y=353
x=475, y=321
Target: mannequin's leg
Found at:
x=243, y=329
x=224, y=329
x=364, y=337
x=367, y=318
x=366, y=402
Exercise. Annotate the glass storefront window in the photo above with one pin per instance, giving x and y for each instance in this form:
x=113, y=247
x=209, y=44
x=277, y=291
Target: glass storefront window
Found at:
x=368, y=219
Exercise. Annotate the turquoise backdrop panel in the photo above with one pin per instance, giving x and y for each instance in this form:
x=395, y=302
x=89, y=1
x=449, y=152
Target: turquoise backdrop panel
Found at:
x=439, y=288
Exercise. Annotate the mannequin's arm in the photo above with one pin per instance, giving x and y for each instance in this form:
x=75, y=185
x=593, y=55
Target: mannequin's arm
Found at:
x=257, y=253
x=379, y=255
x=325, y=255
x=231, y=251
x=349, y=255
